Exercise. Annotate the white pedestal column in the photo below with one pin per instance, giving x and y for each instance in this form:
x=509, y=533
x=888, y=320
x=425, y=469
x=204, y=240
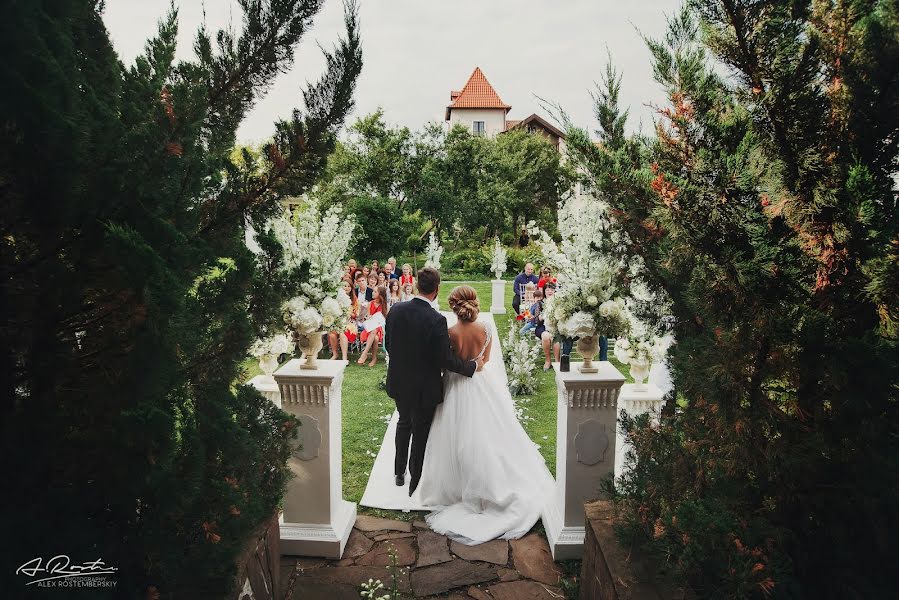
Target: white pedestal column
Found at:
x=498, y=297
x=267, y=387
x=316, y=520
x=586, y=415
x=636, y=403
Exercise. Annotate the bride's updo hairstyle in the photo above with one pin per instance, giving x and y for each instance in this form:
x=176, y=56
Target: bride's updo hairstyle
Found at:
x=464, y=302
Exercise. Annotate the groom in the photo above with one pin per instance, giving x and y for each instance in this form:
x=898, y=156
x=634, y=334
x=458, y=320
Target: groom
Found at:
x=419, y=348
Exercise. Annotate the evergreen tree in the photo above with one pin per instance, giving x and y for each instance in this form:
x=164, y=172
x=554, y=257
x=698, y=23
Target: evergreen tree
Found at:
x=764, y=209
x=129, y=296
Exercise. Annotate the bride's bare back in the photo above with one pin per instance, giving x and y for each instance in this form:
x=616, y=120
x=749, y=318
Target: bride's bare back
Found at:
x=467, y=340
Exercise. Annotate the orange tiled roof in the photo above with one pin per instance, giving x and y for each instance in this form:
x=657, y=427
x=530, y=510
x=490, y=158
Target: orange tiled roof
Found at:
x=477, y=93
x=510, y=123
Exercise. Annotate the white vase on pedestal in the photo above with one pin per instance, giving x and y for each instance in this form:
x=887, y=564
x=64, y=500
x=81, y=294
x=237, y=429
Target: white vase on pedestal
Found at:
x=268, y=363
x=588, y=347
x=310, y=344
x=639, y=372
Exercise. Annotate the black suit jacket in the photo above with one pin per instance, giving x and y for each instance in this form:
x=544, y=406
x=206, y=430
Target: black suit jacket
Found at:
x=418, y=343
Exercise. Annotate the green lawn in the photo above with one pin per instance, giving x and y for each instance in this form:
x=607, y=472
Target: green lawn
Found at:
x=366, y=407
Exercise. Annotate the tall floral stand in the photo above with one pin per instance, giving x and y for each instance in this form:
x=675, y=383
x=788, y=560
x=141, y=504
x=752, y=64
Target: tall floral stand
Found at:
x=586, y=416
x=498, y=297
x=316, y=520
x=636, y=402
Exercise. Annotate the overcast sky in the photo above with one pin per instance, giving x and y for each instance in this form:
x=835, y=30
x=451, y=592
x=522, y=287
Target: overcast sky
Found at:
x=416, y=51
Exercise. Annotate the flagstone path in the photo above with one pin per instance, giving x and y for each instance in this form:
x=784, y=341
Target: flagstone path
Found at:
x=431, y=566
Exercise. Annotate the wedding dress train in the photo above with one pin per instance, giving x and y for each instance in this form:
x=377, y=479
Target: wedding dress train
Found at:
x=482, y=473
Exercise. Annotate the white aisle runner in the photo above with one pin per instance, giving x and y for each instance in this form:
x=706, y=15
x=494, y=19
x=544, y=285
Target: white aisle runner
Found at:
x=381, y=491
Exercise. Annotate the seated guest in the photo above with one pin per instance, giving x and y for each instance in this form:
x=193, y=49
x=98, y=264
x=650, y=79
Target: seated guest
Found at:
x=408, y=292
x=364, y=292
x=382, y=278
x=518, y=286
x=406, y=277
x=344, y=338
x=391, y=268
x=375, y=266
x=376, y=306
x=546, y=276
x=365, y=270
x=373, y=281
x=545, y=337
x=394, y=294
x=534, y=310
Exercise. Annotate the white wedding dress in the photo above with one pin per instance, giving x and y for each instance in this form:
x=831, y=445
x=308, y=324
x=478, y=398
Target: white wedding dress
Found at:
x=482, y=474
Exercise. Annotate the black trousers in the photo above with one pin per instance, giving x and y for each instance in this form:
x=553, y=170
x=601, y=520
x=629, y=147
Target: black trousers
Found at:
x=516, y=304
x=415, y=423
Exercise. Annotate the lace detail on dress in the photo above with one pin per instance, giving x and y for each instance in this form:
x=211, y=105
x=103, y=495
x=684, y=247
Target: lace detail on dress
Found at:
x=487, y=336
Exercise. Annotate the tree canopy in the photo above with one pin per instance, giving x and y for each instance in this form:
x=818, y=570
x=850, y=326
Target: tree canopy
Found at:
x=764, y=209
x=129, y=295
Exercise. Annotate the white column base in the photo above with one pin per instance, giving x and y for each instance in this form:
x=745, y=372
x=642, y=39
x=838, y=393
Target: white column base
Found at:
x=585, y=452
x=498, y=297
x=267, y=387
x=565, y=543
x=324, y=540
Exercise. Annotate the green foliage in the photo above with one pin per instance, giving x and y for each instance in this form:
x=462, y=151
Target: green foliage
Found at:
x=129, y=295
x=763, y=208
x=382, y=230
x=472, y=186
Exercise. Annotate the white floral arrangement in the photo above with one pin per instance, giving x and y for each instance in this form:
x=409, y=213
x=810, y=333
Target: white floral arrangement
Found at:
x=586, y=303
x=641, y=346
x=320, y=244
x=433, y=252
x=522, y=356
x=276, y=344
x=498, y=261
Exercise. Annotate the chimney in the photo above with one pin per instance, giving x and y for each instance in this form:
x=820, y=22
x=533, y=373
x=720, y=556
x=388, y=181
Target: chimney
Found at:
x=454, y=94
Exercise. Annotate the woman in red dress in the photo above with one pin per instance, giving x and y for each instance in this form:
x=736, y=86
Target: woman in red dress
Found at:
x=349, y=334
x=546, y=276
x=377, y=305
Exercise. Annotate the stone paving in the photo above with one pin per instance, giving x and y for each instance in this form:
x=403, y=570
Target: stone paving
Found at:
x=431, y=566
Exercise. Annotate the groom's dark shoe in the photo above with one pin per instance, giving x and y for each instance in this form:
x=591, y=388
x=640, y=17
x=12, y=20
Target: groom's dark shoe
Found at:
x=400, y=480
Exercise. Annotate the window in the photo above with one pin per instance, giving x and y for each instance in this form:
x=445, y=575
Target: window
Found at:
x=479, y=128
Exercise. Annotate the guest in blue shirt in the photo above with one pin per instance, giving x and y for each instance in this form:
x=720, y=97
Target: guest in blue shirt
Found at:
x=521, y=280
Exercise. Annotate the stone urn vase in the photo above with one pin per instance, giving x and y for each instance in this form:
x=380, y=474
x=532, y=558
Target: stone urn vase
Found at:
x=310, y=344
x=588, y=347
x=268, y=363
x=639, y=372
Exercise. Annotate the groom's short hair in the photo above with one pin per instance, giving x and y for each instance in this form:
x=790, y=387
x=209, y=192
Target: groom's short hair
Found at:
x=428, y=281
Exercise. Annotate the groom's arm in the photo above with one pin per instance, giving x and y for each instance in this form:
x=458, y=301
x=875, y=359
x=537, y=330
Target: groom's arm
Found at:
x=446, y=356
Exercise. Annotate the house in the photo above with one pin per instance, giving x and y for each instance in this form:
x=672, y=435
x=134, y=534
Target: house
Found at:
x=479, y=108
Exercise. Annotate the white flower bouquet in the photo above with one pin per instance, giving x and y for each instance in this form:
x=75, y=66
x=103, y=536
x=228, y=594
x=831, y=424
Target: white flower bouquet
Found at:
x=433, y=252
x=522, y=353
x=643, y=349
x=575, y=311
x=319, y=244
x=275, y=345
x=587, y=303
x=498, y=260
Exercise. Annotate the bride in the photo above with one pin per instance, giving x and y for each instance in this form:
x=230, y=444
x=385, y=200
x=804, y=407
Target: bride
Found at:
x=482, y=473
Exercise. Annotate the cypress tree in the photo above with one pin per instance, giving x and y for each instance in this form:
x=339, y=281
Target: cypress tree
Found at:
x=129, y=296
x=764, y=208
